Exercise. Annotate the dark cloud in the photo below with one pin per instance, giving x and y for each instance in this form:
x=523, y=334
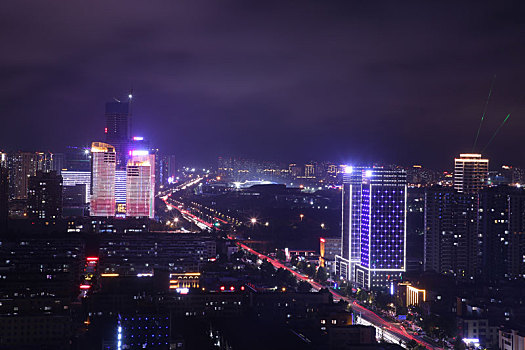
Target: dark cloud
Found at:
x=387, y=81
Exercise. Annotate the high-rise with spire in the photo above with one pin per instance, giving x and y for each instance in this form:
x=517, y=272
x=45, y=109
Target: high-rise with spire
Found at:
x=118, y=129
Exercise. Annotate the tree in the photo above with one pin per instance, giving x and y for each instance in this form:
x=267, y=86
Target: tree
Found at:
x=321, y=275
x=383, y=299
x=459, y=344
x=361, y=295
x=280, y=255
x=412, y=344
x=304, y=287
x=310, y=270
x=267, y=267
x=237, y=255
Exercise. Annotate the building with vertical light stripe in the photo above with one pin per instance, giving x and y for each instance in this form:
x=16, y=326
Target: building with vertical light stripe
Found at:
x=103, y=162
x=140, y=184
x=120, y=190
x=383, y=228
x=351, y=223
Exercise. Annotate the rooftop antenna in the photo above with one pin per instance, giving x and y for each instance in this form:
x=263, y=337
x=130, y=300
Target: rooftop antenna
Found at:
x=484, y=112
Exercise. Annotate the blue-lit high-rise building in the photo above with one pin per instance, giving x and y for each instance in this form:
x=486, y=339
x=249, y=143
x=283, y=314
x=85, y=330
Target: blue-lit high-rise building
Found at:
x=383, y=228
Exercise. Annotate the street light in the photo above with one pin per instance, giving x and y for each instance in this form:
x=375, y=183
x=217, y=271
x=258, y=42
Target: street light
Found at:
x=322, y=226
x=253, y=221
x=301, y=216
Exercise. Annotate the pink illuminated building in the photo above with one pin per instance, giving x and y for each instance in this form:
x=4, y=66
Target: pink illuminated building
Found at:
x=102, y=179
x=140, y=184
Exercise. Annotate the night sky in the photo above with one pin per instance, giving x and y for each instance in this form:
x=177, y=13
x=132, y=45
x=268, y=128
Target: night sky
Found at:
x=281, y=80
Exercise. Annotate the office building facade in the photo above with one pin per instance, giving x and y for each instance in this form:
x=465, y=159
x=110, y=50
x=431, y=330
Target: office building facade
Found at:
x=351, y=223
x=118, y=130
x=120, y=190
x=73, y=178
x=470, y=173
x=383, y=228
x=102, y=194
x=140, y=184
x=45, y=196
x=452, y=244
x=21, y=166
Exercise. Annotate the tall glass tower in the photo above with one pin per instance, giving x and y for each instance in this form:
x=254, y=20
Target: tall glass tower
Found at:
x=383, y=228
x=102, y=179
x=351, y=223
x=140, y=184
x=118, y=130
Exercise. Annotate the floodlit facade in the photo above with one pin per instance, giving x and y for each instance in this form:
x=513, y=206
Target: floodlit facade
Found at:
x=102, y=179
x=329, y=249
x=470, y=173
x=415, y=296
x=383, y=228
x=73, y=178
x=120, y=190
x=140, y=184
x=351, y=225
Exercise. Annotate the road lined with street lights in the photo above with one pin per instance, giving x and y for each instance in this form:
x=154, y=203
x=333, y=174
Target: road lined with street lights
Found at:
x=390, y=331
x=368, y=315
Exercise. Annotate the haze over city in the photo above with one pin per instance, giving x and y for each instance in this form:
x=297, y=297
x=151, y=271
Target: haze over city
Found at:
x=388, y=82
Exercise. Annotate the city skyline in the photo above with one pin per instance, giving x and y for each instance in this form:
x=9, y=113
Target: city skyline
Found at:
x=204, y=175
x=204, y=78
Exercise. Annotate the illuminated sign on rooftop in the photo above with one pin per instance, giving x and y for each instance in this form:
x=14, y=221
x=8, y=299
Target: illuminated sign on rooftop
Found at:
x=138, y=153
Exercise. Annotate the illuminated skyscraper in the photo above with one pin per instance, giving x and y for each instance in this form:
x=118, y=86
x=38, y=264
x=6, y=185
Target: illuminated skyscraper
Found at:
x=118, y=130
x=21, y=166
x=102, y=179
x=351, y=225
x=470, y=173
x=140, y=184
x=383, y=228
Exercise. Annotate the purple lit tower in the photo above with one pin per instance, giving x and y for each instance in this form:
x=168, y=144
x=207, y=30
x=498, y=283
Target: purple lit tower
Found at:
x=383, y=228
